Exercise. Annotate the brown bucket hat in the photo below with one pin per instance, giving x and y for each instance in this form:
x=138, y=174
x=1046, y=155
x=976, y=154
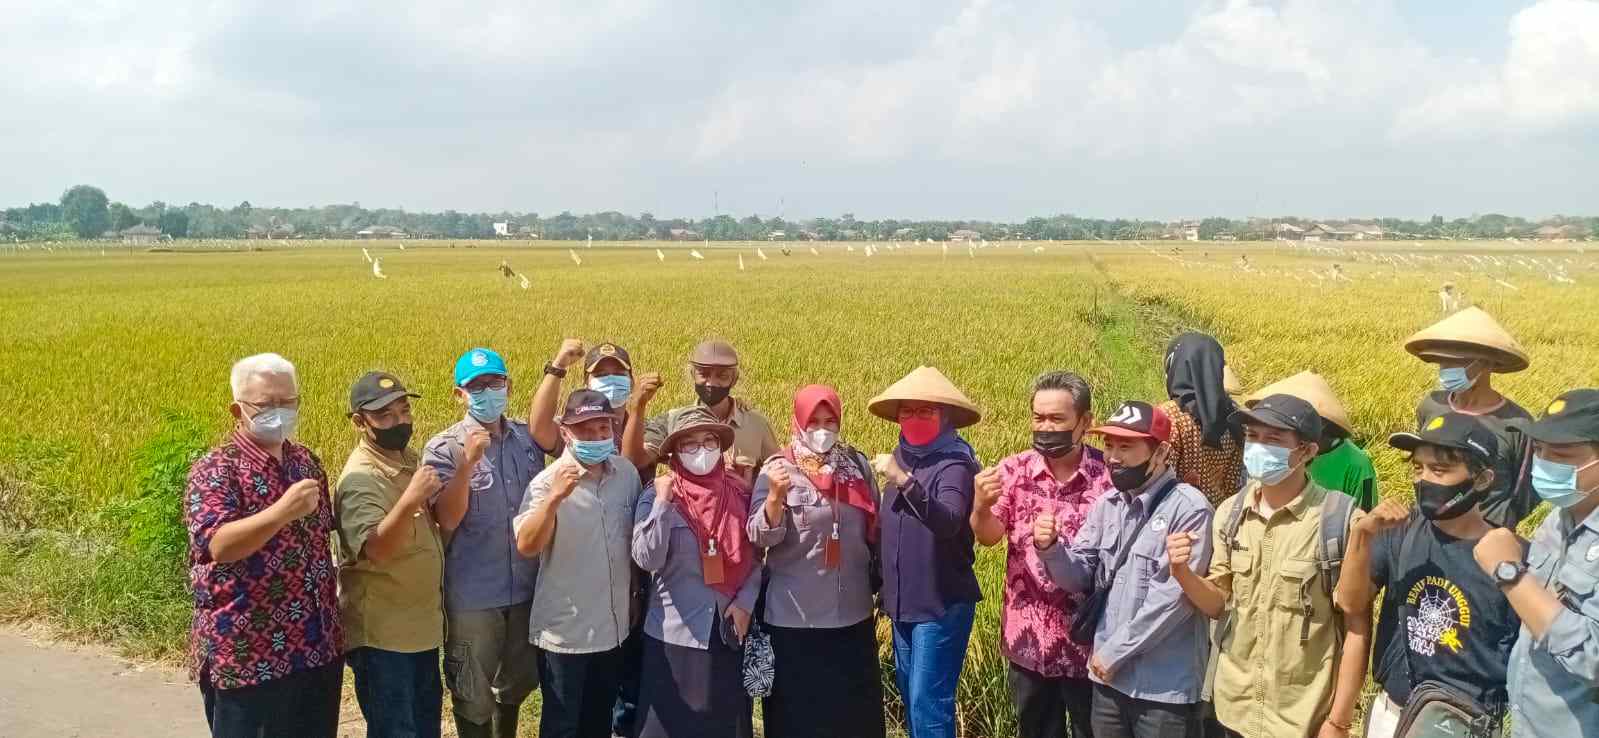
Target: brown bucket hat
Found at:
x=1312, y=388
x=926, y=384
x=1469, y=334
x=696, y=419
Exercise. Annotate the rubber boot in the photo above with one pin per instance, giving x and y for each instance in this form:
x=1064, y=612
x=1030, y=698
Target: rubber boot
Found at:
x=468, y=729
x=505, y=717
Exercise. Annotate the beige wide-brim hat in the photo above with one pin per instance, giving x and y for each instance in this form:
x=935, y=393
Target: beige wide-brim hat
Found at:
x=696, y=419
x=1469, y=334
x=1312, y=388
x=1230, y=382
x=926, y=384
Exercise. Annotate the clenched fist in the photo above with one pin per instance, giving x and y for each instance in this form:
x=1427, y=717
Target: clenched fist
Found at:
x=644, y=390
x=570, y=352
x=1180, y=549
x=477, y=444
x=424, y=482
x=301, y=499
x=566, y=478
x=988, y=487
x=1044, y=532
x=1387, y=514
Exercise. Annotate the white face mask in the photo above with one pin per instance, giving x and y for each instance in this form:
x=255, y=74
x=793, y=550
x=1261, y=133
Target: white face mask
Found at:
x=700, y=462
x=273, y=425
x=820, y=440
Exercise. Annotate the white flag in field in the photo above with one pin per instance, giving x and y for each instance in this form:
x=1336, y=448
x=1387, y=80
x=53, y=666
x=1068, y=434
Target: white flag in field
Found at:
x=377, y=268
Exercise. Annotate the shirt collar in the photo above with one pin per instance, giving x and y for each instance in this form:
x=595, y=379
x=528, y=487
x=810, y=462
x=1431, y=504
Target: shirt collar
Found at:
x=606, y=467
x=1037, y=467
x=505, y=427
x=1591, y=522
x=1296, y=507
x=253, y=452
x=385, y=463
x=735, y=418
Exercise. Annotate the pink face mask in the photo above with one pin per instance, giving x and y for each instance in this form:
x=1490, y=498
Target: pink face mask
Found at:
x=919, y=431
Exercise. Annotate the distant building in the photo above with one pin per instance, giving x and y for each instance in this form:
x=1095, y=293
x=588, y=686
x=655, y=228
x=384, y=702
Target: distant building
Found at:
x=1364, y=231
x=1190, y=231
x=1558, y=233
x=685, y=234
x=141, y=233
x=904, y=232
x=503, y=230
x=1287, y=232
x=381, y=232
x=965, y=234
x=776, y=236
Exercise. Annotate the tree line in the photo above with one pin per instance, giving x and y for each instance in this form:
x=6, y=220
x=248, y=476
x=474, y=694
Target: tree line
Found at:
x=84, y=211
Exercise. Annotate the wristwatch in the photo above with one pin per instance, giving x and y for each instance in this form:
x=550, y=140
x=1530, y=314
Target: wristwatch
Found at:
x=1507, y=573
x=554, y=370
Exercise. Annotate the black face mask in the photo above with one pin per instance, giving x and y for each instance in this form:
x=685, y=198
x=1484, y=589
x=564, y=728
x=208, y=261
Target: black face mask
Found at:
x=1446, y=501
x=711, y=395
x=1055, y=444
x=1129, y=478
x=393, y=438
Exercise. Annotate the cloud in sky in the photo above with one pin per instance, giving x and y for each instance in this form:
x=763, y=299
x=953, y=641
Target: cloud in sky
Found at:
x=913, y=108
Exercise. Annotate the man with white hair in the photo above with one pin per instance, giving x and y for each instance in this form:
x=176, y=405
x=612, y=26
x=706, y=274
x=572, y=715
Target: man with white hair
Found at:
x=265, y=643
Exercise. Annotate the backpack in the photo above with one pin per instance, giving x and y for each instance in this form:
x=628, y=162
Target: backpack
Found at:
x=1337, y=512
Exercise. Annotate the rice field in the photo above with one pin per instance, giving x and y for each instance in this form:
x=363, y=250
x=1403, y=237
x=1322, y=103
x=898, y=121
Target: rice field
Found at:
x=107, y=354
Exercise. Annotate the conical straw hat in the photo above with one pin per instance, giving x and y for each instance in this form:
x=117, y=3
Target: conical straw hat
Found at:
x=1230, y=382
x=1312, y=388
x=925, y=384
x=1469, y=334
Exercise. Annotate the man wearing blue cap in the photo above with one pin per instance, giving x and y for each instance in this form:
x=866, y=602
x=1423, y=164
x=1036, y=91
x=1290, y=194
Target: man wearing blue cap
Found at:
x=485, y=463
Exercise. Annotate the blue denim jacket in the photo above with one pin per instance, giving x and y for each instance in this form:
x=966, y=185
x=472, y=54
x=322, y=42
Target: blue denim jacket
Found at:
x=1554, y=680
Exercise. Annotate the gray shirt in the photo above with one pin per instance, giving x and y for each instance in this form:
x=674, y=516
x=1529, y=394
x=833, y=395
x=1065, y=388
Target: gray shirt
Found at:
x=482, y=569
x=801, y=592
x=1554, y=680
x=1151, y=637
x=683, y=608
x=586, y=571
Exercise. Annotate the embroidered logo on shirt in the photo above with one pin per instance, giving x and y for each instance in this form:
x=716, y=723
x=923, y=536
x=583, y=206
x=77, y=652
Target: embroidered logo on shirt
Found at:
x=1158, y=524
x=1442, y=616
x=1593, y=552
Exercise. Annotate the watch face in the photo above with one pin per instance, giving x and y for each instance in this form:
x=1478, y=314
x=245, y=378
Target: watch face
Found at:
x=1506, y=572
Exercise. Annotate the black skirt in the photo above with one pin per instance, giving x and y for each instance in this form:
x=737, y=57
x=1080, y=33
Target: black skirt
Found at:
x=691, y=693
x=828, y=683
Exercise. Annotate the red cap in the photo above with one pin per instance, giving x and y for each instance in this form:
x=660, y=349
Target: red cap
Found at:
x=1137, y=420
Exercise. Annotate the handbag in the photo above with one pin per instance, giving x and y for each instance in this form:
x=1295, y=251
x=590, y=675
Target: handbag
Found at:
x=760, y=664
x=1093, y=608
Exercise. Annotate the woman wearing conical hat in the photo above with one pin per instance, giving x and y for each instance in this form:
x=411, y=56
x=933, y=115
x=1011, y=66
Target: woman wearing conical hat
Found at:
x=929, y=590
x=1470, y=347
x=1340, y=464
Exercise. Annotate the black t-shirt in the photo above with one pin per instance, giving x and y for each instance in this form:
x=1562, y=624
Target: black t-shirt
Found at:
x=1457, y=624
x=1512, y=496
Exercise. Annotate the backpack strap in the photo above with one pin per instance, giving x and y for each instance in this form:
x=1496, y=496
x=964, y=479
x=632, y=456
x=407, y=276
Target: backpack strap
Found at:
x=1337, y=512
x=1235, y=519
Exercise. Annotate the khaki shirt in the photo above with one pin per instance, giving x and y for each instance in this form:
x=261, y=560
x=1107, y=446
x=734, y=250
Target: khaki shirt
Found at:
x=753, y=442
x=396, y=605
x=1269, y=683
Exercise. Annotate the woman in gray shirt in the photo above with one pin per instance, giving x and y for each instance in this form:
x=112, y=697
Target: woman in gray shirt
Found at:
x=689, y=533
x=814, y=510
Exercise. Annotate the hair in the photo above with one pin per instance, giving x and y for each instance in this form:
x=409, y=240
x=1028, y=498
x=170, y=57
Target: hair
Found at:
x=1082, y=394
x=1474, y=463
x=251, y=367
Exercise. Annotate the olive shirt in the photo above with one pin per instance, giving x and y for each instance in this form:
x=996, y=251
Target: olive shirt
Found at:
x=1270, y=684
x=753, y=442
x=396, y=605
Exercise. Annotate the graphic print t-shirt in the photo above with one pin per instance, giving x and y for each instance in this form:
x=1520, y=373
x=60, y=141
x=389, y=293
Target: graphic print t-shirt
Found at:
x=1441, y=607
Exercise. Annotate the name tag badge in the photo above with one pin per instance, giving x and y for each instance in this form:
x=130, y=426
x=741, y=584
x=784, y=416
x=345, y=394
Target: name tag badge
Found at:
x=711, y=563
x=831, y=550
x=1593, y=552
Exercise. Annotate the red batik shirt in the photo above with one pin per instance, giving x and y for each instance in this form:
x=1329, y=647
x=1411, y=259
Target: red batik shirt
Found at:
x=274, y=612
x=1038, y=613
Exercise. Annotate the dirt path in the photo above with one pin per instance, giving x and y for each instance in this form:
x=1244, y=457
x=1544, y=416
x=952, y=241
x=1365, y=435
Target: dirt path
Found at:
x=49, y=688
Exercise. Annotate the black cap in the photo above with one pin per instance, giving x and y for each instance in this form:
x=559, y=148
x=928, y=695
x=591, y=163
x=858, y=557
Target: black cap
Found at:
x=1282, y=411
x=1451, y=430
x=375, y=390
x=605, y=351
x=1572, y=418
x=585, y=405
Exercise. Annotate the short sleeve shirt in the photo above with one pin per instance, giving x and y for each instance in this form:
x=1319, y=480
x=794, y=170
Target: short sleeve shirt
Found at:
x=1215, y=472
x=1347, y=468
x=1034, y=619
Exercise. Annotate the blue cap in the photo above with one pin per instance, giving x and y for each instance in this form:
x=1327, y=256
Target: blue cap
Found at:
x=476, y=363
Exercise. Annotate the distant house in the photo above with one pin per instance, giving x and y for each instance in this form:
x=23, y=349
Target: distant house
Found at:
x=1190, y=231
x=1364, y=231
x=527, y=232
x=381, y=232
x=965, y=234
x=685, y=234
x=904, y=232
x=281, y=230
x=1558, y=233
x=776, y=236
x=141, y=233
x=1324, y=232
x=1287, y=232
x=503, y=230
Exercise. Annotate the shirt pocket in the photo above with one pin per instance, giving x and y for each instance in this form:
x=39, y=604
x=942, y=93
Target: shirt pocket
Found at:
x=1576, y=587
x=1294, y=579
x=1242, y=564
x=801, y=504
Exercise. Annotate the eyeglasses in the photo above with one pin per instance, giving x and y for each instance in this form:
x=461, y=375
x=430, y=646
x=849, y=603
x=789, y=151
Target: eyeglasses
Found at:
x=288, y=403
x=927, y=411
x=497, y=383
x=691, y=447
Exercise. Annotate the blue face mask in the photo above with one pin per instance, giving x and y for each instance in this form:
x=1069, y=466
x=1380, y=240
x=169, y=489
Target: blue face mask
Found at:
x=590, y=453
x=615, y=387
x=486, y=405
x=1556, y=483
x=1267, y=463
x=1454, y=378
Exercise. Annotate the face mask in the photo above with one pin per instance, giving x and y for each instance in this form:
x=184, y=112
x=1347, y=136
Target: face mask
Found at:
x=1446, y=501
x=711, y=395
x=1055, y=444
x=393, y=438
x=1556, y=483
x=1267, y=463
x=919, y=431
x=700, y=462
x=1454, y=378
x=486, y=406
x=1129, y=478
x=820, y=440
x=590, y=453
x=274, y=424
x=615, y=387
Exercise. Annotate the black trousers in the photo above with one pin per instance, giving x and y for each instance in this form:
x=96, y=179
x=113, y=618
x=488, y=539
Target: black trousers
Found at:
x=1118, y=716
x=579, y=690
x=304, y=704
x=1046, y=705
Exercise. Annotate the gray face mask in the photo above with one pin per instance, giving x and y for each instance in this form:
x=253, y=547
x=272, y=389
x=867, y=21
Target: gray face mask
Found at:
x=273, y=425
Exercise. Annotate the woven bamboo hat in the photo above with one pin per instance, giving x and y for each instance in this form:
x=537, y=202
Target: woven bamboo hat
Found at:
x=1469, y=334
x=926, y=384
x=1230, y=381
x=1312, y=388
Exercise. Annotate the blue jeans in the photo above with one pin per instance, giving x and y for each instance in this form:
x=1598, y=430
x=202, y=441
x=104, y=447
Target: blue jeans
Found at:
x=927, y=667
x=400, y=694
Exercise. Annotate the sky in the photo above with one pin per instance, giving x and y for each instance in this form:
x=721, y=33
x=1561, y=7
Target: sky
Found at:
x=975, y=109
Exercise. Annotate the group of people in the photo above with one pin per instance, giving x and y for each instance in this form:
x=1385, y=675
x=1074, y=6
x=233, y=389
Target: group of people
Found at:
x=1208, y=568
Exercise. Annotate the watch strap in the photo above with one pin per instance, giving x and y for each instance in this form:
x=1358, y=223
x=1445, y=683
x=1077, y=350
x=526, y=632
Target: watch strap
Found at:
x=554, y=370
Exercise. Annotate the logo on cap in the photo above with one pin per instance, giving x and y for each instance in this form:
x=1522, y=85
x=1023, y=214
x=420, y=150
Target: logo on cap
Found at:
x=480, y=359
x=1436, y=423
x=1556, y=407
x=1474, y=444
x=1127, y=415
x=590, y=409
x=385, y=383
x=607, y=350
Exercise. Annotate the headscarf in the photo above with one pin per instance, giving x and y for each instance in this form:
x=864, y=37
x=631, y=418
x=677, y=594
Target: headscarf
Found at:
x=713, y=505
x=1194, y=370
x=834, y=473
x=946, y=443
